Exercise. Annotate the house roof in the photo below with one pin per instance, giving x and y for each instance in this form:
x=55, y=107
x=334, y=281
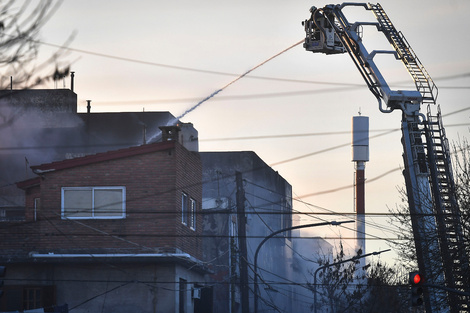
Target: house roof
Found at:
x=25, y=184
x=105, y=156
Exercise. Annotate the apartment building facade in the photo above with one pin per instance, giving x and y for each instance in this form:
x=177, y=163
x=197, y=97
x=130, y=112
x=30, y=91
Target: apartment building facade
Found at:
x=117, y=231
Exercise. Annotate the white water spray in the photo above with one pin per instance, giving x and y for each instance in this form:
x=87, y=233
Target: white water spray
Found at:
x=173, y=122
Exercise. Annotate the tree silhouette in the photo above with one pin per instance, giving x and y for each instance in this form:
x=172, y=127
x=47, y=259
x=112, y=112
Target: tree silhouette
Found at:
x=20, y=25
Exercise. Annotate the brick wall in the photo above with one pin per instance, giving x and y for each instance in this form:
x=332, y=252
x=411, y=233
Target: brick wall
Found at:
x=189, y=180
x=154, y=182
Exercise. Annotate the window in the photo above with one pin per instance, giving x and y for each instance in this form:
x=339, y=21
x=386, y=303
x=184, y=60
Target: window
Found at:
x=19, y=298
x=183, y=285
x=37, y=203
x=32, y=298
x=188, y=211
x=192, y=214
x=184, y=209
x=93, y=202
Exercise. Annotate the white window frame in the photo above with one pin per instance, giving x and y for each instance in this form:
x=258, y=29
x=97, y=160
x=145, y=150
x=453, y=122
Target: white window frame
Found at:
x=92, y=189
x=192, y=213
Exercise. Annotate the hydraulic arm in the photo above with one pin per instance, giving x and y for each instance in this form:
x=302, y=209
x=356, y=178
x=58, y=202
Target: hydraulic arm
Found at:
x=435, y=215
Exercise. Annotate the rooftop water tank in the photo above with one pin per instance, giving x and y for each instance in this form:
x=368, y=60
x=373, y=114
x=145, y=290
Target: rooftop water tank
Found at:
x=360, y=138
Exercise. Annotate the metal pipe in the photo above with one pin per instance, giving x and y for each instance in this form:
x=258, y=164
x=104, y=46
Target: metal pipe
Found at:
x=72, y=75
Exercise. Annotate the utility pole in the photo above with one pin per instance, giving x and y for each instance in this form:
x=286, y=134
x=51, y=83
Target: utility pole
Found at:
x=243, y=255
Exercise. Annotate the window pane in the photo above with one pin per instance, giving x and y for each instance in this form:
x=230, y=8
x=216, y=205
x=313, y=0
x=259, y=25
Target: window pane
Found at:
x=108, y=202
x=77, y=203
x=184, y=208
x=32, y=298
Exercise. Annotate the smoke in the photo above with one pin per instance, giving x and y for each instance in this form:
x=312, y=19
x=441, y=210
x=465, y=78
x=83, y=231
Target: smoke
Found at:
x=31, y=135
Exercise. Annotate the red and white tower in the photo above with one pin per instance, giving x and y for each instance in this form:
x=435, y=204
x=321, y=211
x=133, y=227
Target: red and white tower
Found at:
x=360, y=155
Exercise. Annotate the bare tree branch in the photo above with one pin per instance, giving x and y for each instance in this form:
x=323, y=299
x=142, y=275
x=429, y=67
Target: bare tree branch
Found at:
x=20, y=25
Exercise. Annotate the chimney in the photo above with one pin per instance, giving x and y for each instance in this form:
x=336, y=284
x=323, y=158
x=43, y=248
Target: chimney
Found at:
x=184, y=133
x=170, y=133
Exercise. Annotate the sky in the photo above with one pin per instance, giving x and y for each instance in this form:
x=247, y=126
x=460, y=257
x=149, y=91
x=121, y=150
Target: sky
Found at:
x=294, y=111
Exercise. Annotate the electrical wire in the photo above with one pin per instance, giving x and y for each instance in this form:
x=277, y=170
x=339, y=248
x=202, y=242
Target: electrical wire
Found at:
x=218, y=73
x=189, y=110
x=235, y=81
x=330, y=211
x=281, y=136
x=381, y=227
x=245, y=96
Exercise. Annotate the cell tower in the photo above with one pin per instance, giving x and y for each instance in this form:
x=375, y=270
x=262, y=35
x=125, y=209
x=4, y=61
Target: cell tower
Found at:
x=360, y=155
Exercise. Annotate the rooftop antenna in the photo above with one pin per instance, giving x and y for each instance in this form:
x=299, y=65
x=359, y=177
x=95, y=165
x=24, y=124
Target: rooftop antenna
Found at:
x=88, y=107
x=144, y=129
x=72, y=75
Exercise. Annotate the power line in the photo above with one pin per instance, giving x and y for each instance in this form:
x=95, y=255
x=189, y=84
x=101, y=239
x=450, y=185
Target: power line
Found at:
x=328, y=149
x=212, y=94
x=249, y=96
x=130, y=144
x=369, y=180
x=375, y=225
x=370, y=224
x=189, y=110
x=205, y=71
x=344, y=132
x=190, y=69
x=236, y=97
x=307, y=213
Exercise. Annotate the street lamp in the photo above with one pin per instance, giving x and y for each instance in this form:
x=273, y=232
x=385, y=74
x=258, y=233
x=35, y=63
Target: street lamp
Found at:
x=334, y=223
x=337, y=263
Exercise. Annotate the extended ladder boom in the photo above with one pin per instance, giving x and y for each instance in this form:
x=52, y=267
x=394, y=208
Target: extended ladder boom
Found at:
x=435, y=214
x=424, y=83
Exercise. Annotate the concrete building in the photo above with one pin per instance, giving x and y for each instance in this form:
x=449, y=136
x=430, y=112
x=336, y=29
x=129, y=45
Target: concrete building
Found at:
x=268, y=208
x=118, y=231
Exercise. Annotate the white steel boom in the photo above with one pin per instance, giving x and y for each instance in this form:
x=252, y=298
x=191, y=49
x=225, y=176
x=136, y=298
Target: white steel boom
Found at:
x=435, y=215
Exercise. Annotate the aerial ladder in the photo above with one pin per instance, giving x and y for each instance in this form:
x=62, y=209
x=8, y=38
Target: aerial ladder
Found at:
x=435, y=216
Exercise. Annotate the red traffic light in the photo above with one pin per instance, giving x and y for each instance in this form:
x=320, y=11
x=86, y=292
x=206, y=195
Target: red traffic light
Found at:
x=415, y=278
x=416, y=284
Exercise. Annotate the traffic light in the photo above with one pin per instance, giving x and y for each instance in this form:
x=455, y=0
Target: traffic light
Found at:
x=416, y=284
x=3, y=270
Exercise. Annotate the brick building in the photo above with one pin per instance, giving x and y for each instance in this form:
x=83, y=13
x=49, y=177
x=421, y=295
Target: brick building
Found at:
x=117, y=231
x=131, y=249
